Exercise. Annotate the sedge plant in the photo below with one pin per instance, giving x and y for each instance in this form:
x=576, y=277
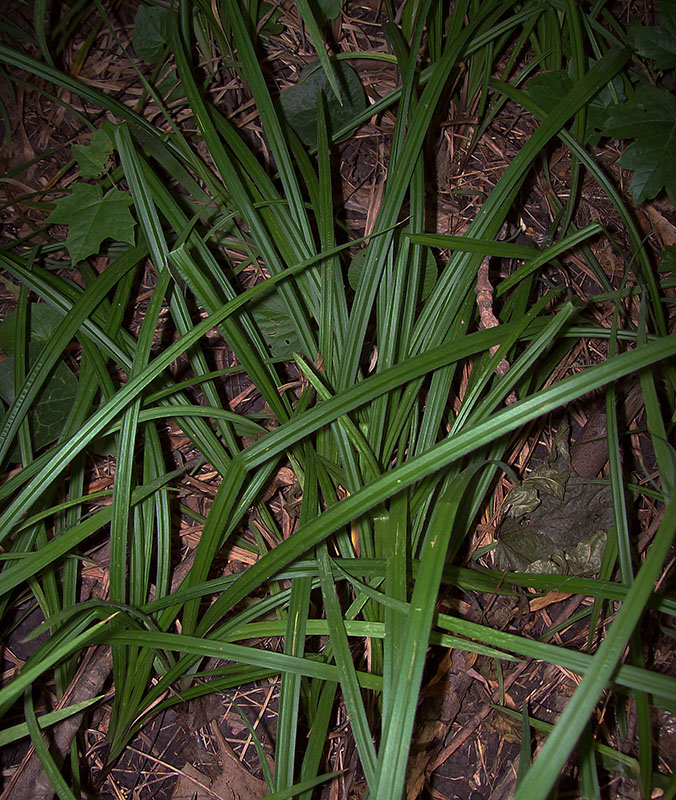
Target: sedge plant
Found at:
x=398, y=421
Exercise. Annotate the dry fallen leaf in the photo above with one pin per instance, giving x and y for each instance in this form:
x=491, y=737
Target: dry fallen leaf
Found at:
x=662, y=227
x=547, y=600
x=235, y=782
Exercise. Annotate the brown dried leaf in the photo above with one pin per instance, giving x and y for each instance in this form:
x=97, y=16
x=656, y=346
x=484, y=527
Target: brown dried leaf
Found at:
x=547, y=600
x=664, y=229
x=234, y=783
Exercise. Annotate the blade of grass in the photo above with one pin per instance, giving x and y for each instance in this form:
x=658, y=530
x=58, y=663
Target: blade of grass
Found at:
x=278, y=662
x=611, y=758
x=20, y=731
x=491, y=216
x=33, y=670
x=525, y=752
x=294, y=645
x=347, y=674
x=589, y=778
x=31, y=563
x=398, y=728
x=51, y=769
x=602, y=179
x=627, y=676
x=317, y=40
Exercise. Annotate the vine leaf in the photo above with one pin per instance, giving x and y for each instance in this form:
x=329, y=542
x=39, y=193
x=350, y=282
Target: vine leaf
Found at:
x=151, y=32
x=547, y=89
x=330, y=8
x=93, y=158
x=657, y=42
x=649, y=119
x=277, y=327
x=91, y=218
x=299, y=102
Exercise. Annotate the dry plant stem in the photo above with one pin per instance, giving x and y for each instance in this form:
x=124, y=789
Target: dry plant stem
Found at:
x=484, y=301
x=487, y=319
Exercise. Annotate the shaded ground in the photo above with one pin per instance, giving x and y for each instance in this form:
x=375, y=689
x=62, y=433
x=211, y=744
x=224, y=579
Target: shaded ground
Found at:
x=464, y=748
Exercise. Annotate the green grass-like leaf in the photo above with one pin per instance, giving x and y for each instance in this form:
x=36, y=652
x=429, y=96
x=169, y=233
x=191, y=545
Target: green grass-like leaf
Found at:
x=92, y=218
